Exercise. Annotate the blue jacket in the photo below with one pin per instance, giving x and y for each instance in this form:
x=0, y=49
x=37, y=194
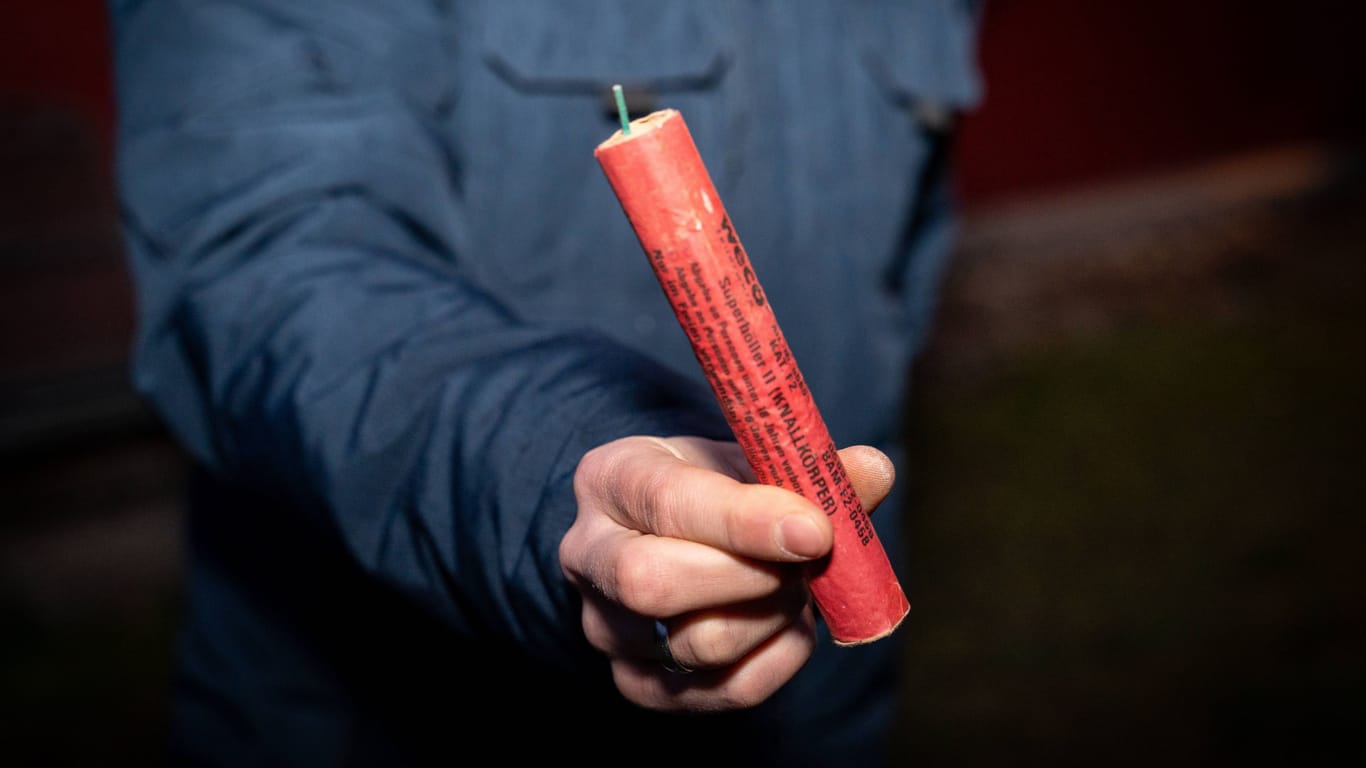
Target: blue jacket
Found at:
x=387, y=300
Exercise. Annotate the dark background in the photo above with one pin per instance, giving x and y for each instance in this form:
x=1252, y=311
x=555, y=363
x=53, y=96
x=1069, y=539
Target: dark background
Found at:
x=1136, y=466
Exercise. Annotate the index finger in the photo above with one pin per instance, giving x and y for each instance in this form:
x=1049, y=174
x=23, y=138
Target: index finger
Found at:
x=652, y=486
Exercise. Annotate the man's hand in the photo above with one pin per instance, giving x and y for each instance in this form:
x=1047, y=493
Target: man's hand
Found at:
x=676, y=529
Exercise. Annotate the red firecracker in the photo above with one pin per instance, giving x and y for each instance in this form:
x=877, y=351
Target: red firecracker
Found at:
x=668, y=196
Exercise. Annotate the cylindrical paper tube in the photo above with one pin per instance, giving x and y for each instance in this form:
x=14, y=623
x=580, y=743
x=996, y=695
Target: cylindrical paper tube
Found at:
x=668, y=197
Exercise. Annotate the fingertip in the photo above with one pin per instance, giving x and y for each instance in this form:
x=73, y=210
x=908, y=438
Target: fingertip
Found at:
x=871, y=472
x=870, y=464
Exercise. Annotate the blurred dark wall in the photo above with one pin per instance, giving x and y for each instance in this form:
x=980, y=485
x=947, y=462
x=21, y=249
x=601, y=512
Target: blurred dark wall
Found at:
x=56, y=54
x=1079, y=91
x=1213, y=504
x=66, y=303
x=1075, y=91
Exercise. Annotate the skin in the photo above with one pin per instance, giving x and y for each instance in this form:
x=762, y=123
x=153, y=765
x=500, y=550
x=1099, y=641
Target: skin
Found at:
x=677, y=529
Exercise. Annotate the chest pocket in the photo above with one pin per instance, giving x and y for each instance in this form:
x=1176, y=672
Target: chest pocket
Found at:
x=581, y=49
x=921, y=55
x=539, y=101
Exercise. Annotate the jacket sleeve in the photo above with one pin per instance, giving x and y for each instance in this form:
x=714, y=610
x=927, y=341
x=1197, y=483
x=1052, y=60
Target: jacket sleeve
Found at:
x=309, y=325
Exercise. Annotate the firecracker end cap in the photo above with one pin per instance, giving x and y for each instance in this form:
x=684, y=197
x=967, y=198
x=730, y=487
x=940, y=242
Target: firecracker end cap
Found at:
x=875, y=635
x=639, y=127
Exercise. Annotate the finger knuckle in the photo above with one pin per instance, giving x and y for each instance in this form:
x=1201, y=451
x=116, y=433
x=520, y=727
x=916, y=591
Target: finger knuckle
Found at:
x=594, y=469
x=655, y=494
x=597, y=631
x=744, y=695
x=640, y=584
x=710, y=643
x=569, y=549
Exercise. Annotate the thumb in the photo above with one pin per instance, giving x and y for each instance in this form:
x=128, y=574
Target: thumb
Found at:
x=871, y=472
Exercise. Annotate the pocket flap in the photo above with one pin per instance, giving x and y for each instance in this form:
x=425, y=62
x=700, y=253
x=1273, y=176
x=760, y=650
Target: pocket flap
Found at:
x=922, y=53
x=561, y=48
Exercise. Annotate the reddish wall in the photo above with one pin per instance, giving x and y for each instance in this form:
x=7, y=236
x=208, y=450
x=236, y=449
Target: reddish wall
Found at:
x=55, y=54
x=1079, y=90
